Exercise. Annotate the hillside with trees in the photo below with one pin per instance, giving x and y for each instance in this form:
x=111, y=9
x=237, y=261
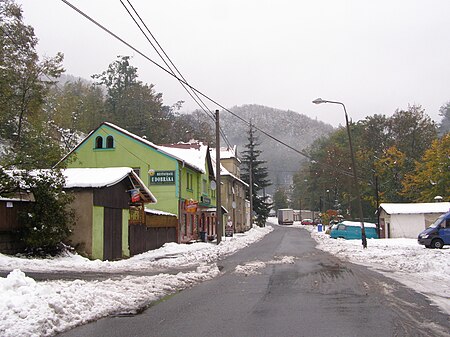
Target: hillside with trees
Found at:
x=292, y=128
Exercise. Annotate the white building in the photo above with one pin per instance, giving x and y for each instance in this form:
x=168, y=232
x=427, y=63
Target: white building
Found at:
x=399, y=220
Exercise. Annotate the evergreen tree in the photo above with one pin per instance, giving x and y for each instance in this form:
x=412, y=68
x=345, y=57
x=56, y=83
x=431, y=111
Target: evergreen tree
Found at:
x=255, y=167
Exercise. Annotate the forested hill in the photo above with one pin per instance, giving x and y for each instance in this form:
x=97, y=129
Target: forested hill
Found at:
x=297, y=130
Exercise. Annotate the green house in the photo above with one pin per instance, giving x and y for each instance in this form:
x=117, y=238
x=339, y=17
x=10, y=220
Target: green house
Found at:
x=178, y=175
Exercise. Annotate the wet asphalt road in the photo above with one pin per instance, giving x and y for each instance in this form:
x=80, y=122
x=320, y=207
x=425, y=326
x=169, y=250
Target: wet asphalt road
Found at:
x=318, y=295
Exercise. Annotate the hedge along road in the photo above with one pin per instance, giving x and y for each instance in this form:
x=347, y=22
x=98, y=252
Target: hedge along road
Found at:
x=283, y=286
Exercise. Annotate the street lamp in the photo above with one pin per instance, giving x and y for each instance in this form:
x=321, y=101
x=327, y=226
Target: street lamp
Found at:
x=355, y=177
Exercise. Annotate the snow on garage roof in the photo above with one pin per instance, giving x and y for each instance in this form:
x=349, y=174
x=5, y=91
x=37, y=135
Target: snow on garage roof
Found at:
x=95, y=177
x=102, y=177
x=416, y=208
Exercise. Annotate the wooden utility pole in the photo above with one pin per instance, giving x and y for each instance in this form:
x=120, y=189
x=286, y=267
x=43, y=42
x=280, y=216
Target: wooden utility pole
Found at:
x=219, y=218
x=250, y=179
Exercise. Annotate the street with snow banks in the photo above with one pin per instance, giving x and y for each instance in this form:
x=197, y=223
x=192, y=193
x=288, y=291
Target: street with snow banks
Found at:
x=427, y=271
x=44, y=308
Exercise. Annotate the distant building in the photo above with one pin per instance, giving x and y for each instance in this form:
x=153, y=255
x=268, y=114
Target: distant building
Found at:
x=233, y=189
x=407, y=220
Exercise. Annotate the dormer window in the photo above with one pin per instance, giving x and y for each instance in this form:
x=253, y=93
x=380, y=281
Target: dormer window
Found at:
x=99, y=142
x=109, y=142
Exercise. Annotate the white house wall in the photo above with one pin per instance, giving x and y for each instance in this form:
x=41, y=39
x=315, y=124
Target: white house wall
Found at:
x=406, y=225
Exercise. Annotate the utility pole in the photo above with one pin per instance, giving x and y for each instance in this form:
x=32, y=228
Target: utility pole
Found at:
x=250, y=178
x=219, y=219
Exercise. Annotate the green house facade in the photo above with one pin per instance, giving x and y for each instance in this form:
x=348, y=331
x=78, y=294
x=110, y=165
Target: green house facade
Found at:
x=178, y=175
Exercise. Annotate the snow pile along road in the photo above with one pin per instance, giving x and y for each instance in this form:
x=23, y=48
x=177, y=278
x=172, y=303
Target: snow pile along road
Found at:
x=171, y=255
x=30, y=308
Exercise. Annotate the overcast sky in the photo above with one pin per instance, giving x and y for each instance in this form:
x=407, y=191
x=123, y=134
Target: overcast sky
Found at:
x=374, y=56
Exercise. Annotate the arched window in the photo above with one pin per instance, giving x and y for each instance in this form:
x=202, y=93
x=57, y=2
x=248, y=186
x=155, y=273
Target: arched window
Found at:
x=109, y=142
x=99, y=142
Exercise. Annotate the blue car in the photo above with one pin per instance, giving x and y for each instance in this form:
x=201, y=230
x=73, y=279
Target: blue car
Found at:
x=351, y=230
x=438, y=234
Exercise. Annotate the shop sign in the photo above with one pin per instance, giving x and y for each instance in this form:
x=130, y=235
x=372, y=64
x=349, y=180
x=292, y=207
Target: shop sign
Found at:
x=190, y=205
x=162, y=177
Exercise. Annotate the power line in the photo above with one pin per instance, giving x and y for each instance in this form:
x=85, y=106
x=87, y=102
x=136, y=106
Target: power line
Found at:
x=197, y=98
x=193, y=88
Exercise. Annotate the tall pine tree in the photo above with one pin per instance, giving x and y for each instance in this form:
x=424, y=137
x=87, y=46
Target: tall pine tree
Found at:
x=254, y=168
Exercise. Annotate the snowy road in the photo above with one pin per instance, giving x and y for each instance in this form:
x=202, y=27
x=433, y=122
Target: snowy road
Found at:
x=283, y=286
x=29, y=308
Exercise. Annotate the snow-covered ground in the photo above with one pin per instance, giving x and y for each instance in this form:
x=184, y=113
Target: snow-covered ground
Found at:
x=427, y=271
x=30, y=308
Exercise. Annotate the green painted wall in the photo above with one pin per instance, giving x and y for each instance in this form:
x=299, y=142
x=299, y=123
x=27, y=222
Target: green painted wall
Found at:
x=97, y=232
x=129, y=152
x=125, y=246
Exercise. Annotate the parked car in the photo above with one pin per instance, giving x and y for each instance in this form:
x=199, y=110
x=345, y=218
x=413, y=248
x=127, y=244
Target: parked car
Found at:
x=351, y=230
x=438, y=234
x=307, y=222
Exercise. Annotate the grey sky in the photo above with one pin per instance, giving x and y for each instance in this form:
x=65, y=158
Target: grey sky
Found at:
x=374, y=56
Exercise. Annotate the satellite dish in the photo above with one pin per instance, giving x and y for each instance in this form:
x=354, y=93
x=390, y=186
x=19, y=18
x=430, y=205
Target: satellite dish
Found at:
x=213, y=185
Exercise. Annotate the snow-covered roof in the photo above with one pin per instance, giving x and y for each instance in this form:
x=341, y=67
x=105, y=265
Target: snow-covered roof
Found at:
x=223, y=170
x=228, y=153
x=358, y=224
x=193, y=154
x=158, y=212
x=92, y=178
x=95, y=177
x=102, y=177
x=416, y=208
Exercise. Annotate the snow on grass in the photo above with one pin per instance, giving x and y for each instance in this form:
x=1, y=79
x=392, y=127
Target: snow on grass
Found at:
x=425, y=270
x=30, y=308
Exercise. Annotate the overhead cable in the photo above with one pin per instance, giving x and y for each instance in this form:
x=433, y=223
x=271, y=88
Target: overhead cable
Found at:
x=196, y=90
x=197, y=99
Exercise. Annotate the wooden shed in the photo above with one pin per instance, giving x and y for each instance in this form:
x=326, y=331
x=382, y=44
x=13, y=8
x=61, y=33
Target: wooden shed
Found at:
x=103, y=199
